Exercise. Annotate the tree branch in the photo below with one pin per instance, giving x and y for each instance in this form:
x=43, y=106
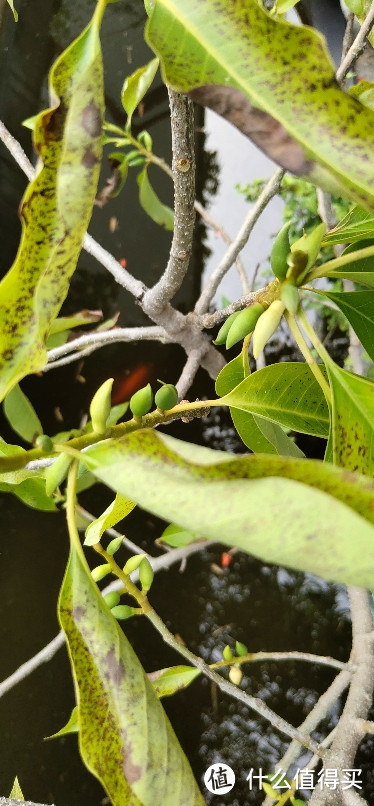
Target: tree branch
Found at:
x=269, y=191
x=357, y=47
x=183, y=150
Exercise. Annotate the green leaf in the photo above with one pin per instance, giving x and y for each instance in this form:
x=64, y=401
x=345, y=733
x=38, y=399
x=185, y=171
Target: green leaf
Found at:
x=136, y=86
x=355, y=226
x=15, y=15
x=281, y=6
x=76, y=320
x=157, y=211
x=258, y=434
x=287, y=393
x=56, y=207
x=21, y=415
x=115, y=512
x=293, y=512
x=174, y=536
x=352, y=419
x=16, y=792
x=125, y=737
x=72, y=725
x=364, y=91
x=116, y=413
x=31, y=492
x=168, y=681
x=358, y=307
x=285, y=71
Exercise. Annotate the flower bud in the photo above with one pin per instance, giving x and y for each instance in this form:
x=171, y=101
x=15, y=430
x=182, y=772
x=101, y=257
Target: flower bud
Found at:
x=100, y=407
x=290, y=297
x=133, y=563
x=240, y=649
x=166, y=397
x=141, y=401
x=114, y=545
x=310, y=244
x=224, y=329
x=244, y=324
x=56, y=473
x=279, y=252
x=266, y=326
x=227, y=653
x=100, y=572
x=146, y=575
x=235, y=675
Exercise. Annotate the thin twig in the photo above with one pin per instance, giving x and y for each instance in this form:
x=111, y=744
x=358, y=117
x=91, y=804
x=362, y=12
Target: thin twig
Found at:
x=269, y=191
x=357, y=46
x=107, y=337
x=228, y=241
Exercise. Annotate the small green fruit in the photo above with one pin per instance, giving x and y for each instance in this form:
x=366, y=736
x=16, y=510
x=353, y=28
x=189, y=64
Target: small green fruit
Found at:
x=141, y=401
x=166, y=397
x=279, y=252
x=146, y=575
x=112, y=599
x=266, y=326
x=244, y=324
x=122, y=612
x=290, y=297
x=44, y=443
x=227, y=653
x=223, y=331
x=100, y=407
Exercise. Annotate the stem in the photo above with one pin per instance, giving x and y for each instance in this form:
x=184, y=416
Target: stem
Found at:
x=301, y=343
x=337, y=262
x=70, y=507
x=311, y=333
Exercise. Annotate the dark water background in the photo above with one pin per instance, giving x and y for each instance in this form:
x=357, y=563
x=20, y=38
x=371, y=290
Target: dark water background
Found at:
x=265, y=607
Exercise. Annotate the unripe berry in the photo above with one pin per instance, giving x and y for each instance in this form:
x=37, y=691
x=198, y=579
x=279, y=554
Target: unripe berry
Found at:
x=141, y=401
x=112, y=599
x=166, y=397
x=146, y=575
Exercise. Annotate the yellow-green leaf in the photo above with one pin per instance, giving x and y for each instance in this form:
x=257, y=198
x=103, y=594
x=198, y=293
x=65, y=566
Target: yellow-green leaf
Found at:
x=115, y=512
x=281, y=69
x=72, y=725
x=152, y=205
x=136, y=86
x=56, y=207
x=168, y=681
x=15, y=15
x=125, y=737
x=21, y=415
x=16, y=792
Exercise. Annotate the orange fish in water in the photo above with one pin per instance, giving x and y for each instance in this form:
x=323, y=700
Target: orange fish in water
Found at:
x=126, y=384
